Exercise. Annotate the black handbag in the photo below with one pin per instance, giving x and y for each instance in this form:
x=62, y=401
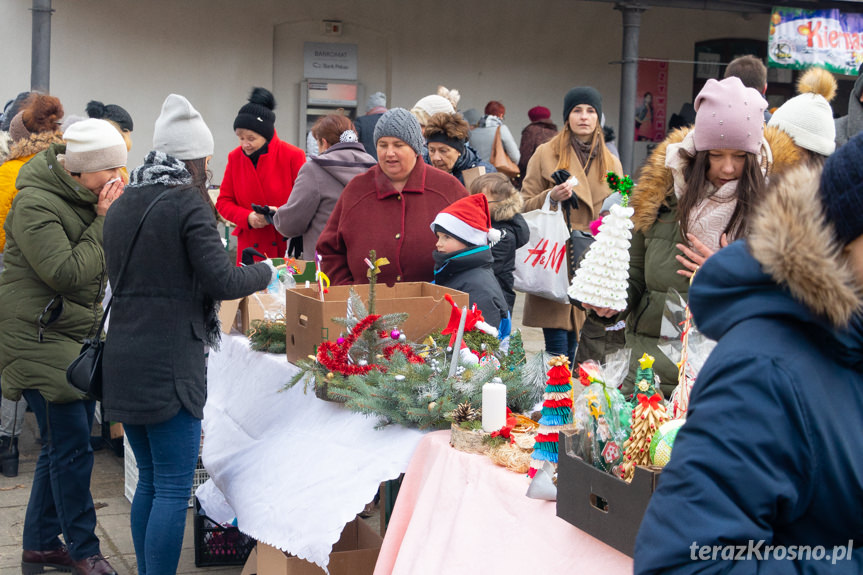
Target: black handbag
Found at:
x=85, y=371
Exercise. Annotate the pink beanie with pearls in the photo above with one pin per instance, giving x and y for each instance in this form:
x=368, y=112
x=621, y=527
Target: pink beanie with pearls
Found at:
x=729, y=116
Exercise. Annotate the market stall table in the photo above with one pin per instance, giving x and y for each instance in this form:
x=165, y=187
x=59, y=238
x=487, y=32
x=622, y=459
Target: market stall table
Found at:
x=294, y=468
x=458, y=512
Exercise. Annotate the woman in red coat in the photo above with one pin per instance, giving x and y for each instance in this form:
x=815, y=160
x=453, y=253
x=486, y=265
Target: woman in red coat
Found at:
x=260, y=171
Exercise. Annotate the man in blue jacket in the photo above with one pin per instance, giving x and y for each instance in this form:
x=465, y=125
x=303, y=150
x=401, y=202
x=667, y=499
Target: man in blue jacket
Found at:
x=766, y=475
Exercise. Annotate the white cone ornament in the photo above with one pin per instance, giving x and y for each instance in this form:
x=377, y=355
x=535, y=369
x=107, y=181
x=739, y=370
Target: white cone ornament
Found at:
x=602, y=277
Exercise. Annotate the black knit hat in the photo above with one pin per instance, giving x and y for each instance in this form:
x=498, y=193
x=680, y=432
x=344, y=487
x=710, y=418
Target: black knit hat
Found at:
x=581, y=95
x=841, y=190
x=112, y=112
x=257, y=115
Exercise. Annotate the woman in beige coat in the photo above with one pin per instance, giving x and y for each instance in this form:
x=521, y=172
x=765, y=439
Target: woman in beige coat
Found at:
x=578, y=148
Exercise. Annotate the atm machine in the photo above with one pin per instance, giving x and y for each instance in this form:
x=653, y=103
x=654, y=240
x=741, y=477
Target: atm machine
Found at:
x=321, y=97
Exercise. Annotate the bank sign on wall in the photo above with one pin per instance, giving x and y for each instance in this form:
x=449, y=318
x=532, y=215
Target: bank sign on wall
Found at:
x=827, y=38
x=330, y=61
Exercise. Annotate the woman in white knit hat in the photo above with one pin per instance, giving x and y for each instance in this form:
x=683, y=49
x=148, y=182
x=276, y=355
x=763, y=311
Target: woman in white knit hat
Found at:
x=154, y=367
x=808, y=117
x=55, y=274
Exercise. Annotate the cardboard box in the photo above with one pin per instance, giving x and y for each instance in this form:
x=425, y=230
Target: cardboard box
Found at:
x=355, y=553
x=600, y=504
x=238, y=314
x=310, y=321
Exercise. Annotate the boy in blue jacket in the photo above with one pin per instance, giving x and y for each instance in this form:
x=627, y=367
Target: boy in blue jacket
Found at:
x=463, y=258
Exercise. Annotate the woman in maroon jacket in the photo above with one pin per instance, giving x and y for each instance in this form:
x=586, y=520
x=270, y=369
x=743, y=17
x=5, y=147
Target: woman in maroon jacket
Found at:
x=260, y=171
x=389, y=209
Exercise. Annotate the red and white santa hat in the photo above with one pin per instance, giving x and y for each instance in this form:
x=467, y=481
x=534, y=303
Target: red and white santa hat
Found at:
x=467, y=220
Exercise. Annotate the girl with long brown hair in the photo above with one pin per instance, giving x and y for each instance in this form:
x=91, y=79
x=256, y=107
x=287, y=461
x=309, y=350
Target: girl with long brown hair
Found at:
x=579, y=148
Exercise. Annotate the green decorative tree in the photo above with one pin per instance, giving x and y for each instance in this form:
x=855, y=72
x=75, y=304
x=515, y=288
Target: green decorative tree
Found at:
x=556, y=414
x=648, y=415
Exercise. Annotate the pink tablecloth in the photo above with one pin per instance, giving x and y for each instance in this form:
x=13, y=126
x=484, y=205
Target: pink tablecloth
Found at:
x=460, y=513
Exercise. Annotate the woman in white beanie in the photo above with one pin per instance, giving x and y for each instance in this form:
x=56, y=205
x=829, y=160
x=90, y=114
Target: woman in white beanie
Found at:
x=163, y=319
x=55, y=274
x=808, y=117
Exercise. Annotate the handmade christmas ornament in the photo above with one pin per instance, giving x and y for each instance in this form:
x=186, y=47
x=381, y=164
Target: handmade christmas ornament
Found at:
x=601, y=412
x=374, y=264
x=473, y=321
x=649, y=414
x=556, y=414
x=663, y=442
x=601, y=278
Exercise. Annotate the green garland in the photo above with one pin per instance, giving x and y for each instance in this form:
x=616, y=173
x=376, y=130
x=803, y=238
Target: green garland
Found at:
x=268, y=336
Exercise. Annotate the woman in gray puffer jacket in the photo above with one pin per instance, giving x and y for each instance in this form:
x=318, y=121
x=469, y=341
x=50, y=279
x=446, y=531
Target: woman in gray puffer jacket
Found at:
x=321, y=180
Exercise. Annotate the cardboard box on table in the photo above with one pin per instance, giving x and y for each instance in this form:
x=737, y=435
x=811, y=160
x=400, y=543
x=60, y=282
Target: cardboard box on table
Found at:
x=598, y=503
x=355, y=553
x=310, y=320
x=238, y=313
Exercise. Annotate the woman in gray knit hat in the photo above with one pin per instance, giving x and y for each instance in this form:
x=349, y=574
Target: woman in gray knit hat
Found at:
x=387, y=209
x=154, y=366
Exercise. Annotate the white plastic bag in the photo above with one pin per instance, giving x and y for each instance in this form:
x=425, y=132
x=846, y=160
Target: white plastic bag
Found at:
x=540, y=264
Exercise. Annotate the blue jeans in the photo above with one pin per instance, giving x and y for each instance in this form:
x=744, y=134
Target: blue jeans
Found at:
x=60, y=500
x=561, y=342
x=167, y=454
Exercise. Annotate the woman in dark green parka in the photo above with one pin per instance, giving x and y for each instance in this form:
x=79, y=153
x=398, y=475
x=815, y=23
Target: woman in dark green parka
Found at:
x=52, y=289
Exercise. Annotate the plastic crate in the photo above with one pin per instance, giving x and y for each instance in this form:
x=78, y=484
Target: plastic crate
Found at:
x=219, y=545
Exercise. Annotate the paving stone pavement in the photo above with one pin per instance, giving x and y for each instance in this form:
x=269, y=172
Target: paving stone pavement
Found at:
x=107, y=486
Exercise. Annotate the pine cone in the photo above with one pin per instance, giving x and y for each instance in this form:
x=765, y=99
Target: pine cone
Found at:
x=464, y=412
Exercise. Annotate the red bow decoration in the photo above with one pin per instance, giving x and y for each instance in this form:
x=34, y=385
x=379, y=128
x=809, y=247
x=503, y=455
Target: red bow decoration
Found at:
x=506, y=430
x=473, y=316
x=652, y=402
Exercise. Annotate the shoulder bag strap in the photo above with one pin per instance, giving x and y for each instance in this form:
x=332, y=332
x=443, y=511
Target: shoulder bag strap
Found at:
x=128, y=257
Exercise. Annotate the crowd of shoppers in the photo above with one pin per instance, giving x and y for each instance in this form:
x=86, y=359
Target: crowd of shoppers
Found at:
x=724, y=200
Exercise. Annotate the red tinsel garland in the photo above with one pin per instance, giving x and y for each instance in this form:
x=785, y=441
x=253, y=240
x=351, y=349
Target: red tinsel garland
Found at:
x=334, y=356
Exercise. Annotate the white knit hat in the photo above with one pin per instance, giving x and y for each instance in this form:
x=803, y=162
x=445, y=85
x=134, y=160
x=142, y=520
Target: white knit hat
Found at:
x=434, y=104
x=808, y=118
x=92, y=146
x=181, y=131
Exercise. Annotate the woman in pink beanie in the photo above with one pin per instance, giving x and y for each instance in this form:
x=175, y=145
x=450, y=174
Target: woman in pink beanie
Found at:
x=695, y=194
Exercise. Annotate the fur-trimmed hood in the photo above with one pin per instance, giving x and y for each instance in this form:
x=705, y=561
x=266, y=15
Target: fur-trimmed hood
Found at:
x=795, y=245
x=789, y=269
x=504, y=208
x=655, y=186
x=34, y=144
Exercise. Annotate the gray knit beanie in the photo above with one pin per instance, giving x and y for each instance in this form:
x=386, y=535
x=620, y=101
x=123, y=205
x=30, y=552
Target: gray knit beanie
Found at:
x=181, y=131
x=401, y=124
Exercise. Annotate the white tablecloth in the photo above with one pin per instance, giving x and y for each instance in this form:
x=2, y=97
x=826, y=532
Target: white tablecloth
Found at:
x=294, y=468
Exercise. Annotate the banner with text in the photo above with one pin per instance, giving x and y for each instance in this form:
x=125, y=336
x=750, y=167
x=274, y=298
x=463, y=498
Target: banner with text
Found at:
x=826, y=38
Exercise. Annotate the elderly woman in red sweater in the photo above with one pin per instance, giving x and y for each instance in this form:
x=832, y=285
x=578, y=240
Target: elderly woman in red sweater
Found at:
x=389, y=209
x=261, y=171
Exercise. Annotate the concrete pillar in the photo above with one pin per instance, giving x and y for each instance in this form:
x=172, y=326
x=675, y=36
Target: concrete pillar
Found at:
x=628, y=83
x=40, y=56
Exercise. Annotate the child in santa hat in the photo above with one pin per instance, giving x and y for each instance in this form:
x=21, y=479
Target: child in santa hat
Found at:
x=463, y=258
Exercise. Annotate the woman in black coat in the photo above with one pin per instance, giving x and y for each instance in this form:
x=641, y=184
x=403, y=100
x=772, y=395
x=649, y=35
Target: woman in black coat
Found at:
x=163, y=320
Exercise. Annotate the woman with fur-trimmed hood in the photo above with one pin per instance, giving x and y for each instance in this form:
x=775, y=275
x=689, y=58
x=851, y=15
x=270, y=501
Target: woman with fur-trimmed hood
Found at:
x=32, y=130
x=700, y=185
x=504, y=204
x=773, y=428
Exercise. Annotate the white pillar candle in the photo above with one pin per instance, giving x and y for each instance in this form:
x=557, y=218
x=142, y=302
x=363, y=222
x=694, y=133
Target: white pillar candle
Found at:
x=493, y=405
